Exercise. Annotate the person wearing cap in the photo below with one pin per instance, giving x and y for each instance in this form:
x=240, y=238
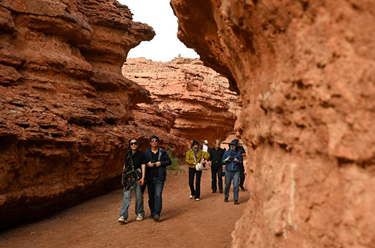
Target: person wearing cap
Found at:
x=132, y=178
x=194, y=156
x=205, y=146
x=232, y=159
x=156, y=173
x=216, y=153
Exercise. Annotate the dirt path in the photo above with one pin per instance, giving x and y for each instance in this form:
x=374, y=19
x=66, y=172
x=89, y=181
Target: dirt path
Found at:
x=185, y=222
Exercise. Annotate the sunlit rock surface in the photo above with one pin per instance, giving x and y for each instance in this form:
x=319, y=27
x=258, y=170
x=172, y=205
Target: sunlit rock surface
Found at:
x=191, y=101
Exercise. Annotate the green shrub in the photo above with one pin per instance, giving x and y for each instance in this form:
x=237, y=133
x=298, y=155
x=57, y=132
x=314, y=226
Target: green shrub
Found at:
x=175, y=162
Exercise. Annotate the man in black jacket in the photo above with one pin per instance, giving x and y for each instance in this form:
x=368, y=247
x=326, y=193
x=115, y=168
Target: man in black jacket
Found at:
x=216, y=155
x=157, y=161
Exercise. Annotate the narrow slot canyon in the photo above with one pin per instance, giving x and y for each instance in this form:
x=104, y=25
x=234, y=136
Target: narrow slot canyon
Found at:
x=295, y=79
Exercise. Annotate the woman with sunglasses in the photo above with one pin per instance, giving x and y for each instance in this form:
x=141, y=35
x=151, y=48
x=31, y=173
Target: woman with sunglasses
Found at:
x=133, y=177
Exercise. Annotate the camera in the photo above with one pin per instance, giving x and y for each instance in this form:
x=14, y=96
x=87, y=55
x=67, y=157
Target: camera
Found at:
x=231, y=159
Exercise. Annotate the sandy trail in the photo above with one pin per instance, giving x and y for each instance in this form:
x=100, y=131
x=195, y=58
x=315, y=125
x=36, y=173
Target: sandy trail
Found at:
x=185, y=222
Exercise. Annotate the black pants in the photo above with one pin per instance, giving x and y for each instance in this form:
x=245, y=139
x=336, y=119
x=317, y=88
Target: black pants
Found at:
x=242, y=175
x=197, y=191
x=216, y=172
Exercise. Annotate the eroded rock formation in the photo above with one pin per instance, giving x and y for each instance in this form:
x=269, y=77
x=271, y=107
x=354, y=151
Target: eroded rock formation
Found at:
x=190, y=101
x=64, y=105
x=305, y=72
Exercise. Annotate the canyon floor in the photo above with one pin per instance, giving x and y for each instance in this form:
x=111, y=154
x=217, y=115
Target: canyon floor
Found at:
x=184, y=222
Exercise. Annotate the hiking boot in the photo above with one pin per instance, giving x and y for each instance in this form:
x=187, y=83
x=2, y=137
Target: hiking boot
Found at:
x=140, y=217
x=191, y=196
x=243, y=188
x=122, y=220
x=197, y=199
x=156, y=218
x=213, y=191
x=151, y=216
x=226, y=199
x=236, y=202
x=221, y=191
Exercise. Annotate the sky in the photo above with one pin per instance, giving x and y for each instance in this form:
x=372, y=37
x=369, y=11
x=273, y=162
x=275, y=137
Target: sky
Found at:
x=165, y=45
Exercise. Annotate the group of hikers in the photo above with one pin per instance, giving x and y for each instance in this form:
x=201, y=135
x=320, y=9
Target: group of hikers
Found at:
x=148, y=169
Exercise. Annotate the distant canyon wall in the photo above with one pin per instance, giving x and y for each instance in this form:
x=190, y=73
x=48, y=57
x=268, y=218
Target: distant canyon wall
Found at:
x=190, y=100
x=305, y=73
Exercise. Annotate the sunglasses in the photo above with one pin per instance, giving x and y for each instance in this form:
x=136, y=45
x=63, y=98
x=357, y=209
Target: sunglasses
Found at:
x=154, y=140
x=133, y=143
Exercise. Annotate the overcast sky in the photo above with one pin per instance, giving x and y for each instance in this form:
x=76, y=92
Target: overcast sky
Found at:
x=165, y=45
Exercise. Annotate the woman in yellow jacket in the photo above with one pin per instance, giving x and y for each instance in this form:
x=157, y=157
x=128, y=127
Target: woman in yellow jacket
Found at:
x=194, y=156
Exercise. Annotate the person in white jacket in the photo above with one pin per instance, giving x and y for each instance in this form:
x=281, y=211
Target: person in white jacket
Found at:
x=205, y=146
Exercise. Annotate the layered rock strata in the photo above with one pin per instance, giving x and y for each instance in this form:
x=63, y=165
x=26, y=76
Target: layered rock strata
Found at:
x=64, y=105
x=190, y=101
x=305, y=72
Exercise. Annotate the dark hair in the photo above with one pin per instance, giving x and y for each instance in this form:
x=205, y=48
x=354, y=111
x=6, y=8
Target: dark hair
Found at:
x=194, y=143
x=154, y=137
x=133, y=139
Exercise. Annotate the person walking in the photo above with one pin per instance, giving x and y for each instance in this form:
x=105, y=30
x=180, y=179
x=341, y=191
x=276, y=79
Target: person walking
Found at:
x=216, y=154
x=232, y=158
x=193, y=157
x=133, y=177
x=205, y=146
x=242, y=151
x=156, y=173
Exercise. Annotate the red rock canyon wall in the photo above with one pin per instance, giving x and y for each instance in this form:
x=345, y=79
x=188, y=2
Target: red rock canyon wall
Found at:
x=64, y=104
x=190, y=101
x=306, y=74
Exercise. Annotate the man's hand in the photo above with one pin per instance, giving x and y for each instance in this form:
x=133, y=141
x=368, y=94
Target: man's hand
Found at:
x=227, y=159
x=236, y=160
x=122, y=182
x=149, y=164
x=142, y=181
x=157, y=164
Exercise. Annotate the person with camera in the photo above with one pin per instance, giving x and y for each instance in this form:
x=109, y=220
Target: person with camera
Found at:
x=195, y=159
x=232, y=159
x=216, y=153
x=156, y=173
x=133, y=177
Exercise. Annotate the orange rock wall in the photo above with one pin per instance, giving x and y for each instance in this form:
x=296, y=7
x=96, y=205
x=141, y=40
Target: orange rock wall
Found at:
x=64, y=105
x=190, y=101
x=305, y=72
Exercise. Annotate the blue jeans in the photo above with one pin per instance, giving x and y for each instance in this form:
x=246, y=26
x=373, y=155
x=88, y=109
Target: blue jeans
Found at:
x=138, y=201
x=229, y=176
x=155, y=199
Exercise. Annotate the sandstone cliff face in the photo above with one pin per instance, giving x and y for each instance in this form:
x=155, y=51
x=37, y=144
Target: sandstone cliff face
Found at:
x=305, y=72
x=64, y=105
x=190, y=101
